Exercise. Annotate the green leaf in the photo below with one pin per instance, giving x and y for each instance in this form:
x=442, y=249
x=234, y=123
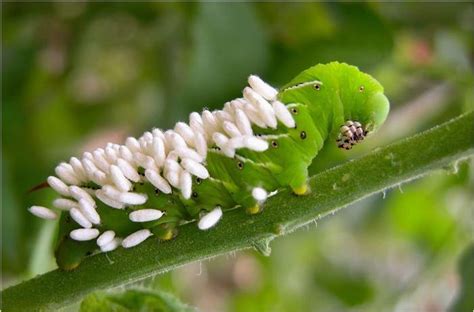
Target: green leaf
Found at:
x=359, y=36
x=348, y=287
x=134, y=300
x=465, y=299
x=333, y=189
x=228, y=45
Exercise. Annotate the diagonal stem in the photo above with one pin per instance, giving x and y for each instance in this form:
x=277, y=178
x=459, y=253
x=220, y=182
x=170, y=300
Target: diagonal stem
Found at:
x=408, y=159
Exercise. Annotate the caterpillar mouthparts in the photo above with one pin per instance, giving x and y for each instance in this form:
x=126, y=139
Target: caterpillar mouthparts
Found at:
x=351, y=133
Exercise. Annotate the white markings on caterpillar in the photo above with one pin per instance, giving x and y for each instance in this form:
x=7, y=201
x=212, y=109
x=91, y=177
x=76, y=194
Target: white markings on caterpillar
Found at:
x=78, y=168
x=242, y=122
x=59, y=186
x=93, y=173
x=89, y=211
x=231, y=129
x=259, y=194
x=106, y=199
x=131, y=198
x=64, y=203
x=236, y=143
x=282, y=113
x=66, y=173
x=78, y=194
x=166, y=159
x=185, y=132
x=136, y=238
x=195, y=168
x=105, y=238
x=266, y=110
x=84, y=234
x=267, y=91
x=145, y=215
x=119, y=179
x=200, y=144
x=303, y=84
x=100, y=161
x=128, y=171
x=112, y=245
x=80, y=219
x=255, y=144
x=171, y=172
x=184, y=152
x=43, y=212
x=158, y=181
x=210, y=219
x=186, y=184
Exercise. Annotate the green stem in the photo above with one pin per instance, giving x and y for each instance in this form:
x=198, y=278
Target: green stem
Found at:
x=440, y=147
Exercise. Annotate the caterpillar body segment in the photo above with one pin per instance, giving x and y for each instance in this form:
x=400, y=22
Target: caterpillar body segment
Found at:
x=123, y=194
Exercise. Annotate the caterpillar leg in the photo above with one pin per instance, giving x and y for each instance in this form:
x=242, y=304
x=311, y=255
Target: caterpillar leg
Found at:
x=254, y=209
x=299, y=182
x=301, y=190
x=166, y=231
x=259, y=196
x=70, y=253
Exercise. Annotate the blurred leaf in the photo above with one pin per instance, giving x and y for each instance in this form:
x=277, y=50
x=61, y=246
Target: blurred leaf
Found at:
x=228, y=45
x=42, y=259
x=11, y=222
x=360, y=37
x=420, y=213
x=134, y=300
x=349, y=287
x=452, y=51
x=297, y=23
x=419, y=14
x=465, y=299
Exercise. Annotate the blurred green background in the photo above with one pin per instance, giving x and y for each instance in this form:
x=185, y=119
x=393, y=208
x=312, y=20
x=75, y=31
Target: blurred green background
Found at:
x=78, y=75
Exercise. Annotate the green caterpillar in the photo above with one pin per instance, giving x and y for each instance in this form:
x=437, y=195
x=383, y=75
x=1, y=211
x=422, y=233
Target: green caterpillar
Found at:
x=238, y=156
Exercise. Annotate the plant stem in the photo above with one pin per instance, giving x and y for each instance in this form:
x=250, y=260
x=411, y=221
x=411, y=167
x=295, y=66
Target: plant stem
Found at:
x=437, y=148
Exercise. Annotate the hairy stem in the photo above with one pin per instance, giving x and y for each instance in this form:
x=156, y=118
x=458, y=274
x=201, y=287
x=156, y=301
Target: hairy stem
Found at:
x=440, y=147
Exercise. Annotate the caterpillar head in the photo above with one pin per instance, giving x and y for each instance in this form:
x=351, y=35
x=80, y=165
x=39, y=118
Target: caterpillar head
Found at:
x=352, y=102
x=350, y=134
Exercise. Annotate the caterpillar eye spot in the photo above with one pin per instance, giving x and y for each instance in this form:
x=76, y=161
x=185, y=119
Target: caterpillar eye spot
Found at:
x=194, y=195
x=274, y=144
x=294, y=111
x=156, y=191
x=303, y=135
x=361, y=89
x=317, y=87
x=240, y=165
x=88, y=253
x=198, y=180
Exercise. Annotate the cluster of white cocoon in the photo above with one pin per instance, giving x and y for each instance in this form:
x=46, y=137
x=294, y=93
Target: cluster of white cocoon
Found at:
x=170, y=159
